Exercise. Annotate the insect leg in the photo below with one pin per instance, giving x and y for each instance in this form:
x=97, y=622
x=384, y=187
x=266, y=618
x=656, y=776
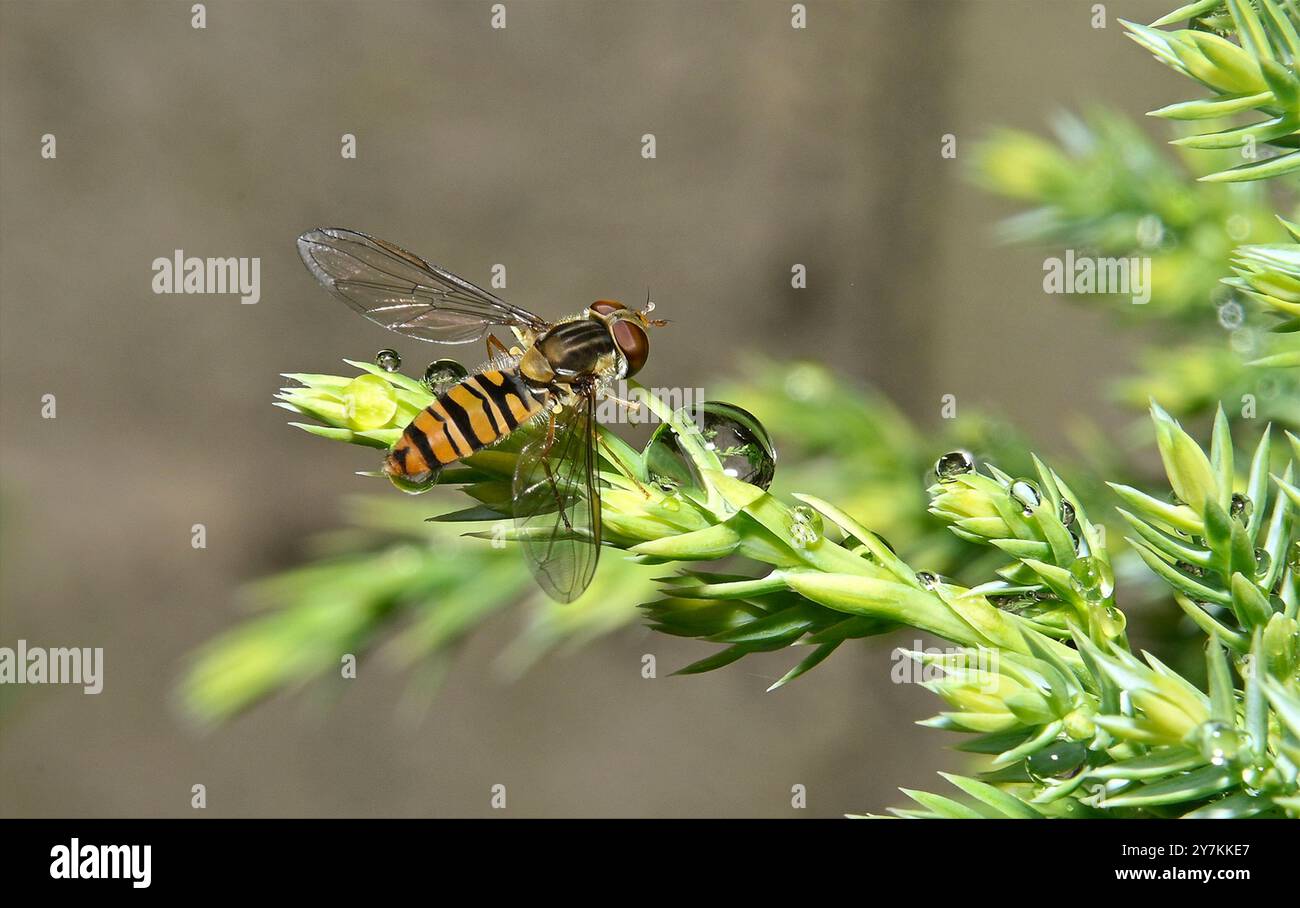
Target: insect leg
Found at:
x=495, y=348
x=618, y=464
x=632, y=405
x=550, y=477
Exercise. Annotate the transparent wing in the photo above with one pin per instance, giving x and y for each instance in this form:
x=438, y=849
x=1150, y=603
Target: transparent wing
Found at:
x=403, y=292
x=557, y=503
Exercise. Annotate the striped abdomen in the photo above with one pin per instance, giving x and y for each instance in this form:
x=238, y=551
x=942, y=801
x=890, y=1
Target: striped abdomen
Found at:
x=466, y=417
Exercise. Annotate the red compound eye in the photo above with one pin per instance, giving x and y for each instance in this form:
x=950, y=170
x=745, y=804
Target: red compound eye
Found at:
x=632, y=340
x=605, y=307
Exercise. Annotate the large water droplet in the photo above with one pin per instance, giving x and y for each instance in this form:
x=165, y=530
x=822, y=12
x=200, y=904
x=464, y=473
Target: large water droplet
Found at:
x=805, y=527
x=734, y=435
x=953, y=464
x=388, y=360
x=441, y=374
x=1219, y=742
x=1058, y=760
x=1085, y=577
x=1026, y=494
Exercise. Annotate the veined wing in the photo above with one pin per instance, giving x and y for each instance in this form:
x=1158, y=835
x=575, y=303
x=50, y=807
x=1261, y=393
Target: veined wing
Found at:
x=557, y=503
x=404, y=293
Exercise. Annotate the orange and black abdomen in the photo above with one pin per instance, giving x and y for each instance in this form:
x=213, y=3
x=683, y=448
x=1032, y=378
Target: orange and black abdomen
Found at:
x=478, y=411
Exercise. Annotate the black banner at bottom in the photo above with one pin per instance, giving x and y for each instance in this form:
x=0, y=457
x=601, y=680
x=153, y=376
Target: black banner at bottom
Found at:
x=333, y=857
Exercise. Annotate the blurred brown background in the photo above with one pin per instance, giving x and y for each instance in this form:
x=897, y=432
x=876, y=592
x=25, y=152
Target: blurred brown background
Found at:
x=478, y=146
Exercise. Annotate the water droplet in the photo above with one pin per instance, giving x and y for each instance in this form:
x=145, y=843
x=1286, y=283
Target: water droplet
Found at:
x=1244, y=341
x=1219, y=742
x=1263, y=561
x=1241, y=507
x=1232, y=315
x=1150, y=231
x=953, y=464
x=414, y=484
x=1255, y=779
x=671, y=502
x=1116, y=621
x=1014, y=602
x=1079, y=725
x=930, y=580
x=1058, y=760
x=441, y=374
x=805, y=527
x=1067, y=514
x=1238, y=227
x=1024, y=493
x=734, y=435
x=1085, y=577
x=388, y=360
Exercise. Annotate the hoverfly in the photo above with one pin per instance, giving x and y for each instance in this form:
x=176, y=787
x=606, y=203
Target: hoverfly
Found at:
x=554, y=374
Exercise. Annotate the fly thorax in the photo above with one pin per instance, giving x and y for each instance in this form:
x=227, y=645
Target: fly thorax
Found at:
x=578, y=348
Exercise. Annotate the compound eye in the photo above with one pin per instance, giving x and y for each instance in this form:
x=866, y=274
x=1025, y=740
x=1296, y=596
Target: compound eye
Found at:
x=605, y=307
x=632, y=340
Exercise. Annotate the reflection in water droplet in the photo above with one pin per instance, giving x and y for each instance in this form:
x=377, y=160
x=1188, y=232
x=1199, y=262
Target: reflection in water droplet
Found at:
x=1085, y=577
x=1025, y=494
x=1058, y=760
x=1219, y=742
x=1241, y=507
x=1067, y=514
x=441, y=374
x=388, y=360
x=953, y=464
x=1014, y=602
x=734, y=435
x=1263, y=561
x=1192, y=570
x=805, y=527
x=930, y=580
x=414, y=484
